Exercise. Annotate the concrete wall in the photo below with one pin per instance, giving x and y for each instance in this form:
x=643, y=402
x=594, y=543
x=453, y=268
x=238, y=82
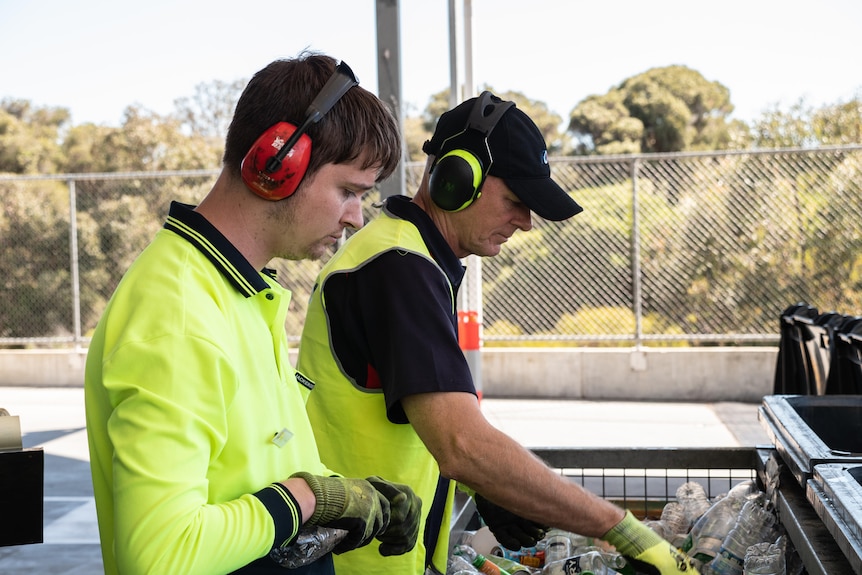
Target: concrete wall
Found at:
x=661, y=374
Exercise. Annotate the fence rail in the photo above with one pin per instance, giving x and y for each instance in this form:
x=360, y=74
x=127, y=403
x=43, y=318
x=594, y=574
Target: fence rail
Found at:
x=672, y=249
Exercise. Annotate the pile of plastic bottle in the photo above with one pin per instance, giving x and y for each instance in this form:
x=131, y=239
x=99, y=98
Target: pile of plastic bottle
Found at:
x=737, y=533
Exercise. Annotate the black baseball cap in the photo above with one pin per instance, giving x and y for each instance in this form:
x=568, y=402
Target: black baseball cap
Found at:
x=519, y=157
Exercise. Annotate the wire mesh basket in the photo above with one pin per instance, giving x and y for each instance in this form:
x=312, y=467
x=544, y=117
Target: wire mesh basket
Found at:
x=644, y=480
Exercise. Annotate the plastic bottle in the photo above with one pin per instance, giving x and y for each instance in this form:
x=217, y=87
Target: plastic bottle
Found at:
x=705, y=538
x=558, y=545
x=310, y=544
x=457, y=565
x=509, y=565
x=675, y=518
x=692, y=496
x=591, y=561
x=765, y=558
x=755, y=524
x=479, y=561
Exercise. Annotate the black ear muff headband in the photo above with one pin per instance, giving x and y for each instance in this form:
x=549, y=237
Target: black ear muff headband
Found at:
x=464, y=159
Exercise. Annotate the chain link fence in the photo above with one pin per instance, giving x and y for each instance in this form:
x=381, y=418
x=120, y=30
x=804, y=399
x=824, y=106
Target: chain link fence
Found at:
x=674, y=249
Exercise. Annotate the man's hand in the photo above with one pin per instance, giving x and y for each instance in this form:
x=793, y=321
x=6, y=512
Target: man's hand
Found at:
x=405, y=511
x=646, y=551
x=511, y=531
x=350, y=504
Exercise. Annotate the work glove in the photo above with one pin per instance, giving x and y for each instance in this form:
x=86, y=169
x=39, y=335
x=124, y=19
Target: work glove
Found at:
x=511, y=531
x=646, y=551
x=405, y=509
x=350, y=504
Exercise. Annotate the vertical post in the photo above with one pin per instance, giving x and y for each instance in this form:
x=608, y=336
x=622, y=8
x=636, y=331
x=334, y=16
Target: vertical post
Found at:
x=637, y=304
x=470, y=298
x=389, y=83
x=454, y=90
x=73, y=263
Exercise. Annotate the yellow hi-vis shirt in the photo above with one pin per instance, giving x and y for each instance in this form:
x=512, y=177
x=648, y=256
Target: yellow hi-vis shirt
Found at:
x=193, y=410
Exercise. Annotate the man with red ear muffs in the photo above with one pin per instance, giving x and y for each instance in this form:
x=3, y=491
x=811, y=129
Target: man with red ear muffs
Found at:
x=202, y=456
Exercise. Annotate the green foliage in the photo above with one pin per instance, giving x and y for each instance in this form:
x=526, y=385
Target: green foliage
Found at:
x=209, y=111
x=29, y=137
x=667, y=109
x=35, y=263
x=801, y=126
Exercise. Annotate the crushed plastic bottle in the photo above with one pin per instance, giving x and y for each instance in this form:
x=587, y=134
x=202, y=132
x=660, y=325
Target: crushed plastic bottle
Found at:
x=675, y=519
x=766, y=558
x=754, y=524
x=692, y=496
x=704, y=540
x=312, y=543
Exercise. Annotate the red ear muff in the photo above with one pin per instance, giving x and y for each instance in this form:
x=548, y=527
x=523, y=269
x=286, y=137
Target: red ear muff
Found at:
x=282, y=181
x=277, y=161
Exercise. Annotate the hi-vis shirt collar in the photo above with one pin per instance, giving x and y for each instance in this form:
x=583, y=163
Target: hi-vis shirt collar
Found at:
x=195, y=228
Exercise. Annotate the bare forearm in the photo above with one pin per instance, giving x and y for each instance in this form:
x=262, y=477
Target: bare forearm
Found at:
x=475, y=453
x=512, y=477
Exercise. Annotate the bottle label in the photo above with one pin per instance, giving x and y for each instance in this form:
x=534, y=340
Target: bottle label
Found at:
x=572, y=566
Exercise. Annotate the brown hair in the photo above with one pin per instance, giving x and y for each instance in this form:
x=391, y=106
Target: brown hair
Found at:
x=358, y=125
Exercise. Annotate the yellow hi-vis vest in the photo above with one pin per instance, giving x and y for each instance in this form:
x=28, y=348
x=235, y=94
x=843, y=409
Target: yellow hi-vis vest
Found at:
x=352, y=431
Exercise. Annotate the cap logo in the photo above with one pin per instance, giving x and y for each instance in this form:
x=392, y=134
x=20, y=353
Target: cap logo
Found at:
x=545, y=157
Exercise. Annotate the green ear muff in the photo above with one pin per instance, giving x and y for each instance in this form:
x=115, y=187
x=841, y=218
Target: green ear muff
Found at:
x=463, y=161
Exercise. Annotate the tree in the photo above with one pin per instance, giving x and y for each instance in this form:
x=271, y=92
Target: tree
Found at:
x=603, y=124
x=802, y=126
x=209, y=111
x=547, y=121
x=145, y=142
x=29, y=137
x=667, y=109
x=777, y=128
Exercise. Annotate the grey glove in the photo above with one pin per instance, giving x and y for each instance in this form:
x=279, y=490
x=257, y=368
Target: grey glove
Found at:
x=406, y=508
x=350, y=504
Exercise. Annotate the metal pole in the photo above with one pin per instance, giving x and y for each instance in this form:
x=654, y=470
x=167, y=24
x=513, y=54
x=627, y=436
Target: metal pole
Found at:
x=470, y=295
x=637, y=304
x=453, y=56
x=73, y=263
x=389, y=84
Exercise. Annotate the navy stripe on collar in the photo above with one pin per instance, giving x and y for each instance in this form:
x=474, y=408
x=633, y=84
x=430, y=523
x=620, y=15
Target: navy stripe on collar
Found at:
x=402, y=207
x=198, y=231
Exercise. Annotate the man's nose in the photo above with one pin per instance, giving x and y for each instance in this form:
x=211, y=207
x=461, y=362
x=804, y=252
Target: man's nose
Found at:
x=524, y=218
x=353, y=214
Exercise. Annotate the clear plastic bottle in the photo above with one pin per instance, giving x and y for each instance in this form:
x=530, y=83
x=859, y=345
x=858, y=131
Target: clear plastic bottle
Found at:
x=708, y=532
x=558, y=545
x=591, y=561
x=765, y=558
x=692, y=496
x=754, y=524
x=457, y=565
x=675, y=518
x=312, y=543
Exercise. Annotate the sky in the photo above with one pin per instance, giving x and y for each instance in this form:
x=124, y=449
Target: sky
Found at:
x=95, y=58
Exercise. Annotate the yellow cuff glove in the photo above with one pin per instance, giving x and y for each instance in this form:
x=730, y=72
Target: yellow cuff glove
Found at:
x=646, y=551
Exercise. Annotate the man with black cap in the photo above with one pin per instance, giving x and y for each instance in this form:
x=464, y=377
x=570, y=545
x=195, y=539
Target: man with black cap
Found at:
x=390, y=391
